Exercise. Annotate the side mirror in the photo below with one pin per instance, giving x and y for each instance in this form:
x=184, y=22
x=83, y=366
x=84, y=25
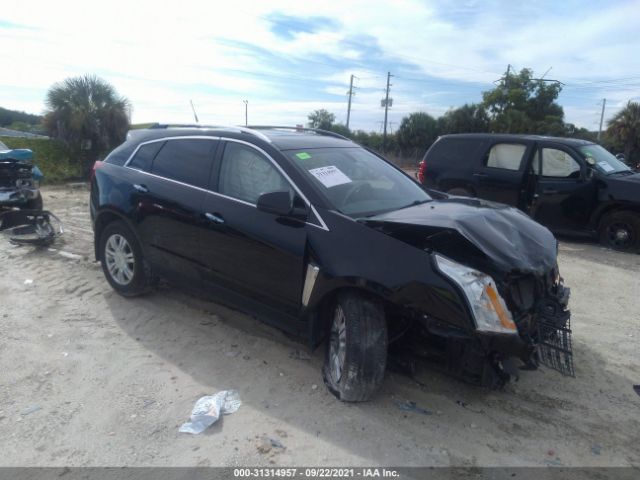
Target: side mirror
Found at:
x=277, y=203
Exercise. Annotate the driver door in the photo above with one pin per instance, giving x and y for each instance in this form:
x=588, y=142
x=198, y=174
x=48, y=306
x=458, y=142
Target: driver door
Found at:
x=564, y=195
x=248, y=251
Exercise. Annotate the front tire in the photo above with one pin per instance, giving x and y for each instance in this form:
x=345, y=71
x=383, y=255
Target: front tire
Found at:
x=621, y=231
x=356, y=354
x=122, y=260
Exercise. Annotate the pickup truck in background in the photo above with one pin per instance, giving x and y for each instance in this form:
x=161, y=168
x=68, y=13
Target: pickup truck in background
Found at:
x=571, y=186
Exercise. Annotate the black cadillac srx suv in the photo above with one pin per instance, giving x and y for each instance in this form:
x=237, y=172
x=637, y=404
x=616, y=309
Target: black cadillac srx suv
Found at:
x=326, y=240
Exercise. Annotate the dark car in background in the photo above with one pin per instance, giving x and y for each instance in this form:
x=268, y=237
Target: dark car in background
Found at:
x=571, y=186
x=326, y=240
x=19, y=179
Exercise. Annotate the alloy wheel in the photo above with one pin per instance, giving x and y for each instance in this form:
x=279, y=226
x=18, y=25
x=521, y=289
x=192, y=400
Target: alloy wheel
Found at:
x=119, y=259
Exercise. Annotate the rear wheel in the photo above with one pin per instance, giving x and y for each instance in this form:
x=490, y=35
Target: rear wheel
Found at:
x=356, y=354
x=461, y=192
x=621, y=231
x=122, y=260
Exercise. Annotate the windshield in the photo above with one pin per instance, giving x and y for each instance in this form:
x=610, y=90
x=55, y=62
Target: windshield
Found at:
x=356, y=182
x=3, y=146
x=605, y=162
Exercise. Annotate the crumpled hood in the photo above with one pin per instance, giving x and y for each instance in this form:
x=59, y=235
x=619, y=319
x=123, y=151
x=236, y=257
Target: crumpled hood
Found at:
x=509, y=240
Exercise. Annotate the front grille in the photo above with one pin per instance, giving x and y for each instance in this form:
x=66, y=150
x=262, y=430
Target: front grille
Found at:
x=555, y=349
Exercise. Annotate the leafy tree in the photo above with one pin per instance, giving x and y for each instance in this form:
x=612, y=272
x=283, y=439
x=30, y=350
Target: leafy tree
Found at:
x=7, y=117
x=341, y=129
x=523, y=104
x=88, y=115
x=623, y=132
x=417, y=132
x=322, y=119
x=470, y=118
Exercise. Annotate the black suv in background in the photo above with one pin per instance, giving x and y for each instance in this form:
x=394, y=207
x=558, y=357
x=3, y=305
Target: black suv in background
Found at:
x=571, y=186
x=324, y=239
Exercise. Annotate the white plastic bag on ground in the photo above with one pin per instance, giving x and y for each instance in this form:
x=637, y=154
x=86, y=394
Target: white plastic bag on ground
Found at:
x=208, y=409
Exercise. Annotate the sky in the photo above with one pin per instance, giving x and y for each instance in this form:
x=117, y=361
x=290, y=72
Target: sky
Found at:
x=288, y=58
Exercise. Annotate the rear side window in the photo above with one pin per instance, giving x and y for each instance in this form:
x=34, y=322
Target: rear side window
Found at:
x=245, y=174
x=507, y=156
x=145, y=155
x=186, y=160
x=453, y=151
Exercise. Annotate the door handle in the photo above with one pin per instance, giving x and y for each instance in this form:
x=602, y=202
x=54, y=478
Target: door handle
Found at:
x=214, y=218
x=479, y=174
x=550, y=190
x=141, y=188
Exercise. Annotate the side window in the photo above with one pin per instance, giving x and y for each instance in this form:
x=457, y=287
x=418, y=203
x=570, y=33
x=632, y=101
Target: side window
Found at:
x=185, y=160
x=559, y=164
x=245, y=174
x=145, y=155
x=507, y=156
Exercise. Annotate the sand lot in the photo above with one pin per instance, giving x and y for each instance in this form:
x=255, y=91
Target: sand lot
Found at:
x=91, y=378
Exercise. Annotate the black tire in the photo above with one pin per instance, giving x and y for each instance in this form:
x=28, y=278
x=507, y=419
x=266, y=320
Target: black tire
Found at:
x=135, y=279
x=621, y=231
x=363, y=349
x=460, y=192
x=34, y=204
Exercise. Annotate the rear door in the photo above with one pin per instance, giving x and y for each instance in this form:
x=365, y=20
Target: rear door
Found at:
x=254, y=253
x=170, y=194
x=500, y=174
x=564, y=196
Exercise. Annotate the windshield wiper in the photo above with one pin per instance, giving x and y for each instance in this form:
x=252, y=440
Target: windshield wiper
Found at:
x=622, y=172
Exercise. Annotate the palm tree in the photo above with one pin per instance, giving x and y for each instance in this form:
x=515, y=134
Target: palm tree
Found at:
x=87, y=114
x=624, y=130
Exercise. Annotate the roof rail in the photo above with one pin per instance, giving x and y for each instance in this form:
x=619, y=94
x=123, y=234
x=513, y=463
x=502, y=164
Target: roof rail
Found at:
x=238, y=128
x=319, y=131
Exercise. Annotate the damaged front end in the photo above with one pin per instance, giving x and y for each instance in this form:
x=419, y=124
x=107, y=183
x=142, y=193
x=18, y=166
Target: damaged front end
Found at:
x=504, y=268
x=18, y=178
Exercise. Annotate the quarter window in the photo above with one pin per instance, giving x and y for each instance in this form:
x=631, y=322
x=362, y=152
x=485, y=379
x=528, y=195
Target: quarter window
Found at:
x=185, y=160
x=507, y=156
x=145, y=155
x=558, y=164
x=245, y=174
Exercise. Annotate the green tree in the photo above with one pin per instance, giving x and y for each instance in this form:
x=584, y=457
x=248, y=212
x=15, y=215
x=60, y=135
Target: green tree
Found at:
x=623, y=132
x=88, y=115
x=470, y=118
x=341, y=129
x=417, y=132
x=523, y=104
x=322, y=119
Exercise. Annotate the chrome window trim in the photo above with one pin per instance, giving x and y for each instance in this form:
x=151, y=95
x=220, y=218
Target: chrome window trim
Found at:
x=322, y=225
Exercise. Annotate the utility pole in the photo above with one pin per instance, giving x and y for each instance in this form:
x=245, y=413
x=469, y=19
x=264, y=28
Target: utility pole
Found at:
x=604, y=102
x=246, y=112
x=386, y=111
x=350, y=93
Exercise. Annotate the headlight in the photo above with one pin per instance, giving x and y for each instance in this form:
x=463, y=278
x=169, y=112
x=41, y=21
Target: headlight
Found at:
x=490, y=312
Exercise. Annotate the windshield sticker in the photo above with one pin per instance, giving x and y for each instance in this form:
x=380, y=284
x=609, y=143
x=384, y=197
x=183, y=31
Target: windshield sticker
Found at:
x=605, y=166
x=303, y=156
x=330, y=176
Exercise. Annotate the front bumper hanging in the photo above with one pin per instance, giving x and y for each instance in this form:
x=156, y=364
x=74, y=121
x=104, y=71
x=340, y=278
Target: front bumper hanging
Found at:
x=30, y=227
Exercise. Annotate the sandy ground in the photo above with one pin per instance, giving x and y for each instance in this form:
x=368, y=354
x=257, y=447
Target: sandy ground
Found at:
x=90, y=378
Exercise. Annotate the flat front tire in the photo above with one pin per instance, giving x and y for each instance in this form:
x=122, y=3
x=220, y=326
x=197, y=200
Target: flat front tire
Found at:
x=621, y=231
x=356, y=354
x=122, y=260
